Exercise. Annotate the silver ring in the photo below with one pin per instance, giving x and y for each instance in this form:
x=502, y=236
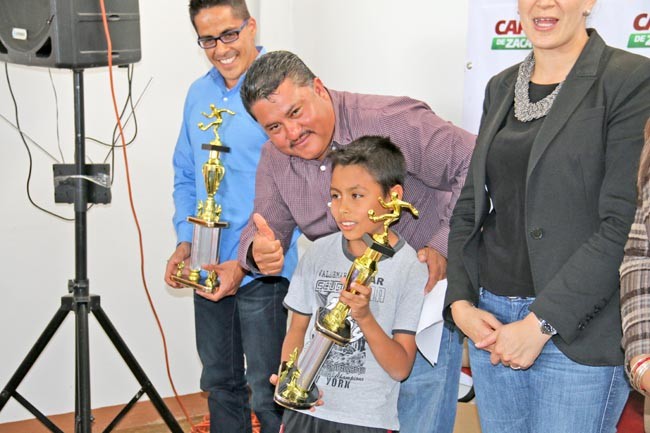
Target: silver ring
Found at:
x=515, y=368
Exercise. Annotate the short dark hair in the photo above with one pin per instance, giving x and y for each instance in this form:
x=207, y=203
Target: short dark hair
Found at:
x=239, y=8
x=269, y=71
x=380, y=156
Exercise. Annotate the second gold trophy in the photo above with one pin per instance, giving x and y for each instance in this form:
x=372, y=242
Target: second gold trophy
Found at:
x=207, y=221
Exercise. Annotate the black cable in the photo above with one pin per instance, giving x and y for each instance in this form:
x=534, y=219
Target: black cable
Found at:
x=127, y=104
x=129, y=101
x=34, y=142
x=29, y=153
x=56, y=105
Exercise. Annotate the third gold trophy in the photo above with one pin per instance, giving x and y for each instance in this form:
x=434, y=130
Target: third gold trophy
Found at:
x=207, y=221
x=296, y=387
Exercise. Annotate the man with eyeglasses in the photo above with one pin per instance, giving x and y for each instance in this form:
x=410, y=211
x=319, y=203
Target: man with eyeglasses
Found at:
x=245, y=314
x=304, y=121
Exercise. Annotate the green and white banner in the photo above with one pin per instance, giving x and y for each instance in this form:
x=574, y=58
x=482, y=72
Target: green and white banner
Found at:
x=495, y=41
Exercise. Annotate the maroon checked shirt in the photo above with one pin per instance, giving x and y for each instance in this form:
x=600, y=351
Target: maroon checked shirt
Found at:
x=291, y=191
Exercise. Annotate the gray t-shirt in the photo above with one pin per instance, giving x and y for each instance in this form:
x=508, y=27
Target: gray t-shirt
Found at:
x=356, y=389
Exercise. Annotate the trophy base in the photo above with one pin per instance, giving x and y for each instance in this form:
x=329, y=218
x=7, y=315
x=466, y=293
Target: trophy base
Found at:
x=291, y=397
x=196, y=286
x=342, y=337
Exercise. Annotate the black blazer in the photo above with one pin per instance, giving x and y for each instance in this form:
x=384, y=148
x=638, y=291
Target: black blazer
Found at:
x=580, y=198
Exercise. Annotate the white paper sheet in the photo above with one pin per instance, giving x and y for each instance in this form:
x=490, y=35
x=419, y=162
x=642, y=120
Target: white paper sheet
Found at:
x=430, y=327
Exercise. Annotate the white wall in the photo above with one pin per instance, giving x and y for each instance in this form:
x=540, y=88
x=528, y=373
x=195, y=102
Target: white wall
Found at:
x=413, y=47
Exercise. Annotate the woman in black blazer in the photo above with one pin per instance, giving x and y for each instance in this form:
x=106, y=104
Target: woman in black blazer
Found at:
x=537, y=234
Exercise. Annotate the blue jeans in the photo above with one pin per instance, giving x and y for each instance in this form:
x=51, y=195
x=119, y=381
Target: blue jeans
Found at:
x=428, y=398
x=253, y=322
x=555, y=395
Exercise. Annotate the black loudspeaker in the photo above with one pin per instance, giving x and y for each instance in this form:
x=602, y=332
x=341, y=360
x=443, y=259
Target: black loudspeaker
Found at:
x=68, y=33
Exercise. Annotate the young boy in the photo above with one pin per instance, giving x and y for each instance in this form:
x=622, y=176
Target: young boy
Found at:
x=360, y=381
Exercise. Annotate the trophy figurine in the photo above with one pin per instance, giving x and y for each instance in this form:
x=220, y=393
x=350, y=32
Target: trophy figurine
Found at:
x=295, y=388
x=207, y=223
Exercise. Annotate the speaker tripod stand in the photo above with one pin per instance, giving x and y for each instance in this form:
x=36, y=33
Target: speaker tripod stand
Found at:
x=82, y=303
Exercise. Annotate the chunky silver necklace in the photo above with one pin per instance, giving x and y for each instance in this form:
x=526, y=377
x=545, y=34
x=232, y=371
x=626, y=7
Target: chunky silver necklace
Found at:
x=525, y=111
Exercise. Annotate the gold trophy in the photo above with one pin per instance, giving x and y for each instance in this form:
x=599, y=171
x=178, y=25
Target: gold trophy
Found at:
x=207, y=224
x=295, y=388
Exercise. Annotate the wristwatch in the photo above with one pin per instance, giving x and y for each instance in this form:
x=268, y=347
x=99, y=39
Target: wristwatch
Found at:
x=546, y=328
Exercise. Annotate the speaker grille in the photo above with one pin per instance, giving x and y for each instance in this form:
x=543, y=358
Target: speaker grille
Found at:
x=68, y=33
x=24, y=24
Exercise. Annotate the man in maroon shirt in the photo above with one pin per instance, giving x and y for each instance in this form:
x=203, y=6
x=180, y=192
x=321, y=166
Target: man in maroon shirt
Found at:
x=304, y=120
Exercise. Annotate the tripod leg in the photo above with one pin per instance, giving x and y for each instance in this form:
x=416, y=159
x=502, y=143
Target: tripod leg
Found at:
x=82, y=369
x=37, y=413
x=135, y=368
x=33, y=354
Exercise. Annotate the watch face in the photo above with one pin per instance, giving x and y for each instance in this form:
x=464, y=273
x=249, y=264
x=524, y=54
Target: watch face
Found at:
x=546, y=328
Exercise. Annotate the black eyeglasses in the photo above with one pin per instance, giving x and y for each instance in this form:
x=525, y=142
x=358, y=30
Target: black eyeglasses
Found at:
x=228, y=37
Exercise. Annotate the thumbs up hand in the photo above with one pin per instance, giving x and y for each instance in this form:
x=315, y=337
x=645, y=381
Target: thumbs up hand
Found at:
x=267, y=251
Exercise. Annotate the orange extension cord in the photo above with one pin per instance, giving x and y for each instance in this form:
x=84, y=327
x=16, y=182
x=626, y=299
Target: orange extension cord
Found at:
x=204, y=425
x=194, y=429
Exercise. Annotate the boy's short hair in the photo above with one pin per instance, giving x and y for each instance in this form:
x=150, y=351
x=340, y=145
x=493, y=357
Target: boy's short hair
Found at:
x=380, y=156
